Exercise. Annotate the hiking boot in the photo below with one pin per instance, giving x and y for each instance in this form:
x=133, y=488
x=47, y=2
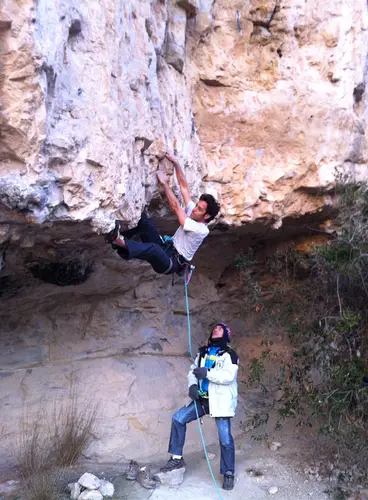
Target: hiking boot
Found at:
x=172, y=464
x=132, y=471
x=145, y=479
x=228, y=481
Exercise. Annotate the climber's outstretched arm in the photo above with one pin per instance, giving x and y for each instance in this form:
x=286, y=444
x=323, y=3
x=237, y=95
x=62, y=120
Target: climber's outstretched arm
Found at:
x=172, y=199
x=181, y=178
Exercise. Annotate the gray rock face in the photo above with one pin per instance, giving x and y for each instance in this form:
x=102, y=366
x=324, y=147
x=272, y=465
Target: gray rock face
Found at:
x=75, y=490
x=89, y=481
x=172, y=478
x=175, y=42
x=106, y=489
x=273, y=490
x=90, y=495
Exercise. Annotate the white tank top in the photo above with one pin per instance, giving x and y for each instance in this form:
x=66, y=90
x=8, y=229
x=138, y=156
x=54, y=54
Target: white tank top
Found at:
x=188, y=238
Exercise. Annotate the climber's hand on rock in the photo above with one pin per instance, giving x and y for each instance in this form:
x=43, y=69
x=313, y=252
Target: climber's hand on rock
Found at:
x=200, y=373
x=161, y=177
x=171, y=157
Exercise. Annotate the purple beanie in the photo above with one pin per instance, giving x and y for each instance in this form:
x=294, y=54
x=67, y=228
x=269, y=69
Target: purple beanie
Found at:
x=227, y=331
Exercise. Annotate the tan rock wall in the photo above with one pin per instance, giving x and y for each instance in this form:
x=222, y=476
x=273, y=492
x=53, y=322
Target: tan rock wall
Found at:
x=93, y=92
x=277, y=105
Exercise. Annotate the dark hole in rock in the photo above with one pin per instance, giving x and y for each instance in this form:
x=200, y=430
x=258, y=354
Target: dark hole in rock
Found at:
x=9, y=286
x=358, y=92
x=279, y=52
x=222, y=227
x=50, y=79
x=149, y=29
x=73, y=272
x=213, y=83
x=75, y=27
x=220, y=285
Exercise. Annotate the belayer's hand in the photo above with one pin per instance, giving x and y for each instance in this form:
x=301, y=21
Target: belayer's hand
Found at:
x=193, y=392
x=161, y=177
x=200, y=373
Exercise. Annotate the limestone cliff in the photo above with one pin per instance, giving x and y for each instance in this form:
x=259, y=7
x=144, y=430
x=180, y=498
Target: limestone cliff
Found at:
x=262, y=99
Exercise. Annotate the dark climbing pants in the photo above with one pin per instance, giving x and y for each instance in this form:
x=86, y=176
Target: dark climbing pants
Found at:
x=187, y=414
x=151, y=248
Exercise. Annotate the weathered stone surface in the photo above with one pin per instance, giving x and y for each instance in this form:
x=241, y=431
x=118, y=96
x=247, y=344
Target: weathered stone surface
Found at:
x=75, y=490
x=76, y=127
x=172, y=478
x=90, y=495
x=26, y=357
x=9, y=487
x=258, y=111
x=175, y=42
x=275, y=445
x=89, y=481
x=106, y=489
x=190, y=6
x=277, y=106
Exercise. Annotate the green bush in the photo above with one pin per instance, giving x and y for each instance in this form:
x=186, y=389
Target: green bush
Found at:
x=320, y=301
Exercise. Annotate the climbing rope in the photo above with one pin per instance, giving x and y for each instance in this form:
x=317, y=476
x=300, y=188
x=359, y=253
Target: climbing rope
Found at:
x=186, y=282
x=237, y=16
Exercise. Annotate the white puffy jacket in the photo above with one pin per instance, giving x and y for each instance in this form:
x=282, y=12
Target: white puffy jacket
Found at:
x=222, y=387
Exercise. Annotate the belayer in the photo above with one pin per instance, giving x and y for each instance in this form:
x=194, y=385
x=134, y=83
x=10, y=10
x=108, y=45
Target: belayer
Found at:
x=213, y=389
x=170, y=255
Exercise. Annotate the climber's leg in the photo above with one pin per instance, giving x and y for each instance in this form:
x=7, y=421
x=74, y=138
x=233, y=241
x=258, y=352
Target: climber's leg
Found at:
x=145, y=228
x=149, y=252
x=148, y=231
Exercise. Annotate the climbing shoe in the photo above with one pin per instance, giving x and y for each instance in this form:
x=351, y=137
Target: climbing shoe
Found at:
x=132, y=471
x=228, y=481
x=116, y=230
x=172, y=464
x=145, y=479
x=109, y=237
x=114, y=233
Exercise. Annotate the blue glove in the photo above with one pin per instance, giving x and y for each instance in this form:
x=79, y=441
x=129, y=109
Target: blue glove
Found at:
x=193, y=392
x=200, y=373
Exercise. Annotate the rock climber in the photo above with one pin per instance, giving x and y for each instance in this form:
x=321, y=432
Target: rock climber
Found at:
x=170, y=255
x=213, y=389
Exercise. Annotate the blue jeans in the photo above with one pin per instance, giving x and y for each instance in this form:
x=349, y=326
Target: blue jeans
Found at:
x=187, y=414
x=150, y=249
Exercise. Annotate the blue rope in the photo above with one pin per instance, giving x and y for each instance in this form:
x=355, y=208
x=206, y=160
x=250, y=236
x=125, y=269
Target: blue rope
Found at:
x=195, y=403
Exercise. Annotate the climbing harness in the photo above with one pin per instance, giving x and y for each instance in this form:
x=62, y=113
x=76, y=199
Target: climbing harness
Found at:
x=186, y=282
x=188, y=273
x=186, y=268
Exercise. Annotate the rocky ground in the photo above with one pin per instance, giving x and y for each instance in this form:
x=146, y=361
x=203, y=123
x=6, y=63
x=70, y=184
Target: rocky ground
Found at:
x=259, y=472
